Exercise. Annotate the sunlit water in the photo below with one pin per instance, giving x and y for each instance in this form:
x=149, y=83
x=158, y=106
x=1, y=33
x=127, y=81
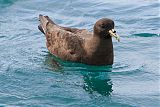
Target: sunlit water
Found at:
x=30, y=77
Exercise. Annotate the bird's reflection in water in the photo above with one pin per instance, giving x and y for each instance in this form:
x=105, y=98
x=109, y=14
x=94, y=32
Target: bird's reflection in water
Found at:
x=52, y=63
x=95, y=81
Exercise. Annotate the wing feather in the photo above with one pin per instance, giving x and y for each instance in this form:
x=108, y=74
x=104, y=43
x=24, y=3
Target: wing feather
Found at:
x=64, y=44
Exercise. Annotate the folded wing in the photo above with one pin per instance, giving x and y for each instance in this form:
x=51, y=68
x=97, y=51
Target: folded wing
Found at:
x=62, y=43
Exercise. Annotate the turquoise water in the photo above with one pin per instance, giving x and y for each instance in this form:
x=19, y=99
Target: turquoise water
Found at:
x=30, y=77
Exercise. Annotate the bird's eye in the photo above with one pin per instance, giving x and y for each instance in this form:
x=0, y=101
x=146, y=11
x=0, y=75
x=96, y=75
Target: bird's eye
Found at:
x=103, y=26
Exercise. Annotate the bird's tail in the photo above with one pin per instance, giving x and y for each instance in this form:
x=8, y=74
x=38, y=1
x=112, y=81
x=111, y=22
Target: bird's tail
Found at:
x=44, y=21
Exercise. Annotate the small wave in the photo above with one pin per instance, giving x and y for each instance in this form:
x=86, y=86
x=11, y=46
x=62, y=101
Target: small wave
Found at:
x=125, y=69
x=6, y=3
x=2, y=36
x=147, y=35
x=128, y=71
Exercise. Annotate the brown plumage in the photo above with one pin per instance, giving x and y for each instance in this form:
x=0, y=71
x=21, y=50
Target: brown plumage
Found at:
x=80, y=45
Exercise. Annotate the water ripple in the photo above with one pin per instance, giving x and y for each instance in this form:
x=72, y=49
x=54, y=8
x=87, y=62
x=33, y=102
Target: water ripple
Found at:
x=147, y=35
x=30, y=77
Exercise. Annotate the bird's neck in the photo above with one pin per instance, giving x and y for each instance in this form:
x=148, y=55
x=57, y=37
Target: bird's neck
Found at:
x=100, y=50
x=103, y=46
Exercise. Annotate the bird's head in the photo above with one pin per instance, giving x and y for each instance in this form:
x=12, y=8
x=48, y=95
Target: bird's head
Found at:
x=104, y=28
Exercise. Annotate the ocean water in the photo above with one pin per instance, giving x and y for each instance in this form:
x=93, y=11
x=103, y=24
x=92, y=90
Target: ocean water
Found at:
x=29, y=77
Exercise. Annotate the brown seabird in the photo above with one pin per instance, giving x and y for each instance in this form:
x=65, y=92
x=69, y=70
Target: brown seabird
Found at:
x=80, y=45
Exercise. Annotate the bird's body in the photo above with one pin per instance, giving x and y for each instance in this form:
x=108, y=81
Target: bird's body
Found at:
x=78, y=45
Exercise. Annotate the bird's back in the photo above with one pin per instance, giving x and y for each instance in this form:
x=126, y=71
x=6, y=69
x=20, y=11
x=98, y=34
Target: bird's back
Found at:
x=65, y=44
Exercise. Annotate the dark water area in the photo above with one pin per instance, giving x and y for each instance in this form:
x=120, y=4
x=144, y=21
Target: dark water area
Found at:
x=30, y=77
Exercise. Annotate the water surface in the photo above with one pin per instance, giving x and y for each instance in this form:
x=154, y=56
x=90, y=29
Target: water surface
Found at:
x=30, y=77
